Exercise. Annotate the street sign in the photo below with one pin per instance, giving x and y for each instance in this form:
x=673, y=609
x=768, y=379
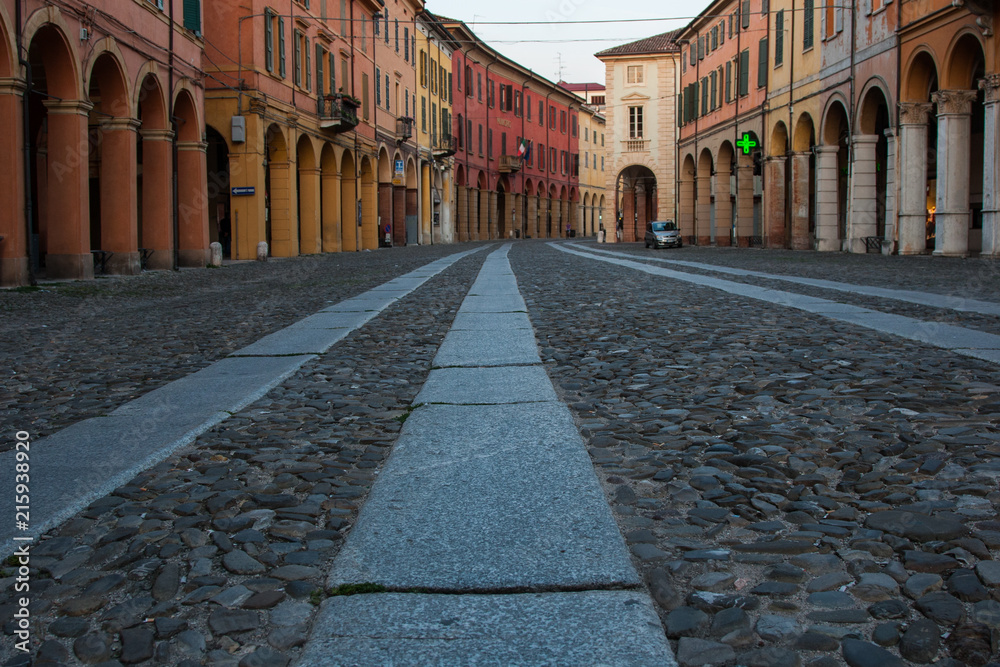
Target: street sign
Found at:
x=399, y=167
x=244, y=191
x=747, y=143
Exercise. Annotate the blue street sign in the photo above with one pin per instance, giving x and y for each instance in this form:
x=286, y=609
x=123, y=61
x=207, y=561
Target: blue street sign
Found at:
x=244, y=191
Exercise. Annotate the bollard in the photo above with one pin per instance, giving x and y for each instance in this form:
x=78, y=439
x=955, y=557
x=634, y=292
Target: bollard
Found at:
x=262, y=251
x=215, y=256
x=600, y=236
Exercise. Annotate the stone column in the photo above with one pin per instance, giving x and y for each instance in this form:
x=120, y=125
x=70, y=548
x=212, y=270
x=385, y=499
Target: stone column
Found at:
x=157, y=204
x=119, y=231
x=800, y=201
x=463, y=213
x=492, y=214
x=774, y=202
x=687, y=222
x=628, y=211
x=862, y=219
x=399, y=237
x=564, y=217
x=483, y=223
x=532, y=219
x=192, y=204
x=723, y=207
x=890, y=245
x=331, y=220
x=913, y=178
x=556, y=218
x=991, y=166
x=13, y=251
x=744, y=201
x=634, y=231
x=826, y=199
x=68, y=191
x=954, y=130
x=704, y=209
x=310, y=230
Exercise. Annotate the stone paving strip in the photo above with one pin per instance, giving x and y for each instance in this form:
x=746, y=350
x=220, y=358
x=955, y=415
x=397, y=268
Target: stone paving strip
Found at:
x=218, y=555
x=487, y=530
x=84, y=462
x=954, y=302
x=960, y=340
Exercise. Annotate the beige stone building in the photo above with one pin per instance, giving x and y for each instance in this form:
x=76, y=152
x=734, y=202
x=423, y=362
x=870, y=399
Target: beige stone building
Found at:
x=642, y=83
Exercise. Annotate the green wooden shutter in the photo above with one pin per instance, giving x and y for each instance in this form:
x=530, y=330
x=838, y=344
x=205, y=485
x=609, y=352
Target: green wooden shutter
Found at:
x=192, y=15
x=808, y=18
x=281, y=47
x=729, y=81
x=745, y=15
x=762, y=63
x=779, y=37
x=333, y=73
x=320, y=82
x=268, y=41
x=308, y=65
x=745, y=72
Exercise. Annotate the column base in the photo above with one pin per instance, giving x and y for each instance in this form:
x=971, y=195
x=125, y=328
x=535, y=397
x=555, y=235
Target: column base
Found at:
x=705, y=240
x=723, y=241
x=13, y=271
x=950, y=253
x=828, y=245
x=160, y=260
x=72, y=267
x=742, y=241
x=856, y=246
x=197, y=259
x=124, y=264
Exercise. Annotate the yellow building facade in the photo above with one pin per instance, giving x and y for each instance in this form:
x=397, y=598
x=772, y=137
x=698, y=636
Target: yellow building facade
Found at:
x=592, y=171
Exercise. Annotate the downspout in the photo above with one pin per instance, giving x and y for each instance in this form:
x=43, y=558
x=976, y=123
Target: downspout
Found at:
x=524, y=138
x=26, y=141
x=489, y=143
x=548, y=165
x=850, y=127
x=175, y=195
x=357, y=153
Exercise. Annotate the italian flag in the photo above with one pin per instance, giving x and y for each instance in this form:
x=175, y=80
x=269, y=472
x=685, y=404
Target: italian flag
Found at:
x=523, y=149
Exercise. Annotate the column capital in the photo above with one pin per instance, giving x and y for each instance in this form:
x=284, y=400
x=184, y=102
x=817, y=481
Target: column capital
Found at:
x=12, y=86
x=118, y=123
x=68, y=107
x=954, y=102
x=914, y=113
x=864, y=138
x=194, y=146
x=775, y=158
x=990, y=84
x=156, y=135
x=801, y=153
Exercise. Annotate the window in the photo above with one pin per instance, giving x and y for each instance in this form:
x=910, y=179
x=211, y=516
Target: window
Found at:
x=602, y=163
x=731, y=17
x=468, y=81
x=281, y=47
x=397, y=35
x=635, y=122
x=808, y=18
x=297, y=46
x=510, y=98
x=333, y=73
x=762, y=63
x=192, y=15
x=552, y=160
x=305, y=49
x=423, y=68
x=729, y=81
x=552, y=117
x=345, y=75
x=722, y=33
x=779, y=39
x=378, y=91
x=595, y=136
x=704, y=96
x=634, y=74
x=715, y=91
x=406, y=45
x=479, y=86
x=503, y=96
x=541, y=112
x=765, y=7
x=343, y=17
x=684, y=63
x=364, y=34
x=364, y=95
x=602, y=139
x=449, y=88
x=694, y=55
x=461, y=130
x=432, y=66
x=701, y=48
x=745, y=14
x=434, y=122
x=468, y=133
x=491, y=93
x=562, y=121
x=375, y=25
x=503, y=144
x=320, y=58
x=423, y=113
x=480, y=139
x=489, y=144
x=458, y=68
x=268, y=40
x=527, y=105
x=715, y=38
x=386, y=25
x=573, y=124
x=541, y=157
x=406, y=102
x=517, y=103
x=744, y=72
x=387, y=91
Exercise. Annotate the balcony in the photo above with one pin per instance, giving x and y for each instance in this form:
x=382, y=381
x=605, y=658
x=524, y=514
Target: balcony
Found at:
x=338, y=113
x=445, y=146
x=509, y=164
x=635, y=145
x=404, y=128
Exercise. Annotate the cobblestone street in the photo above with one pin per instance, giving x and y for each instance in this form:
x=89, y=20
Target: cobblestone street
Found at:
x=792, y=489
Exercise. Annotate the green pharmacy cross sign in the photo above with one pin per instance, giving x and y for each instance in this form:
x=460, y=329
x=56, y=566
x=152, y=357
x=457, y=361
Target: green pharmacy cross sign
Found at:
x=746, y=143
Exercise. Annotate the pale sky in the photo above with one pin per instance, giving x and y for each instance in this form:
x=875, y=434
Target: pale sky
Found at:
x=578, y=62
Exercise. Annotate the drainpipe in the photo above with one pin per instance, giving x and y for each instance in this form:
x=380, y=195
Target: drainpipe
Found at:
x=524, y=138
x=548, y=166
x=26, y=123
x=489, y=144
x=175, y=196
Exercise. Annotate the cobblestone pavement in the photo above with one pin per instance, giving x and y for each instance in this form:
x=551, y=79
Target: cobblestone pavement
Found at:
x=78, y=350
x=971, y=278
x=218, y=555
x=794, y=491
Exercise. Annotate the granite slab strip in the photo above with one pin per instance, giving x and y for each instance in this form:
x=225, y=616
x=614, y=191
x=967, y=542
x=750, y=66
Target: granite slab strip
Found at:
x=346, y=320
x=556, y=629
x=949, y=301
x=86, y=461
x=497, y=347
x=489, y=321
x=494, y=304
x=77, y=465
x=294, y=340
x=486, y=498
x=957, y=339
x=487, y=386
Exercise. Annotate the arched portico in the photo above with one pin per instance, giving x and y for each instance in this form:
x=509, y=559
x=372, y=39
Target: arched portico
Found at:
x=635, y=196
x=832, y=177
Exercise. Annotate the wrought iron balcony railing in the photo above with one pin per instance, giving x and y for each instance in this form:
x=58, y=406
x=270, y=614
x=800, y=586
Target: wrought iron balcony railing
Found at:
x=338, y=113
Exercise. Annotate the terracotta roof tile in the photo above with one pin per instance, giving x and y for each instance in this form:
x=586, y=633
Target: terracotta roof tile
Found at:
x=662, y=43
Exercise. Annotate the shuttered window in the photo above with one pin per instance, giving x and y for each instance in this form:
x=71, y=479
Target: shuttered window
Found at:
x=320, y=82
x=762, y=63
x=192, y=15
x=281, y=47
x=745, y=15
x=779, y=37
x=704, y=96
x=729, y=81
x=808, y=19
x=297, y=62
x=308, y=64
x=744, y=72
x=333, y=73
x=268, y=41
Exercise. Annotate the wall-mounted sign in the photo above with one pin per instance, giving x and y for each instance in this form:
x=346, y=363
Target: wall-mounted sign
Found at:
x=244, y=191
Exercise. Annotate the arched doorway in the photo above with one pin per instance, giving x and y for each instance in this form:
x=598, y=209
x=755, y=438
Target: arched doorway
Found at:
x=635, y=194
x=725, y=221
x=502, y=186
x=586, y=210
x=461, y=203
x=871, y=174
x=222, y=228
x=329, y=200
x=411, y=205
x=687, y=199
x=370, y=232
x=13, y=251
x=480, y=228
x=777, y=176
x=529, y=220
x=278, y=228
x=918, y=155
x=385, y=198
x=308, y=186
x=704, y=206
x=191, y=176
x=832, y=178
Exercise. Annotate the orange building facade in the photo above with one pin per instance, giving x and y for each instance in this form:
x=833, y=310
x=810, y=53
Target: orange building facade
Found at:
x=103, y=138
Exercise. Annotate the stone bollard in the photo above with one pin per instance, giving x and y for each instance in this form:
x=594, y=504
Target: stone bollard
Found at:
x=215, y=257
x=600, y=236
x=262, y=251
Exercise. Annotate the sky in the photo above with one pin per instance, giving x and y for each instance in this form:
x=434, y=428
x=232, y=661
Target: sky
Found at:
x=541, y=48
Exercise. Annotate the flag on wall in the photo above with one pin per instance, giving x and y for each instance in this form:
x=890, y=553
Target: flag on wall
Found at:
x=524, y=149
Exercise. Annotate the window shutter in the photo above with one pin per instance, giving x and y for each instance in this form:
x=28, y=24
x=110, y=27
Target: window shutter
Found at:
x=762, y=63
x=297, y=77
x=722, y=32
x=320, y=82
x=308, y=65
x=779, y=38
x=729, y=81
x=715, y=92
x=745, y=15
x=378, y=89
x=268, y=41
x=838, y=19
x=281, y=47
x=333, y=73
x=694, y=55
x=680, y=119
x=765, y=7
x=744, y=72
x=808, y=17
x=192, y=15
x=704, y=96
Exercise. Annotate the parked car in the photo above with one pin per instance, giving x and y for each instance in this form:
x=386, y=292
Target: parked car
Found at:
x=662, y=234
